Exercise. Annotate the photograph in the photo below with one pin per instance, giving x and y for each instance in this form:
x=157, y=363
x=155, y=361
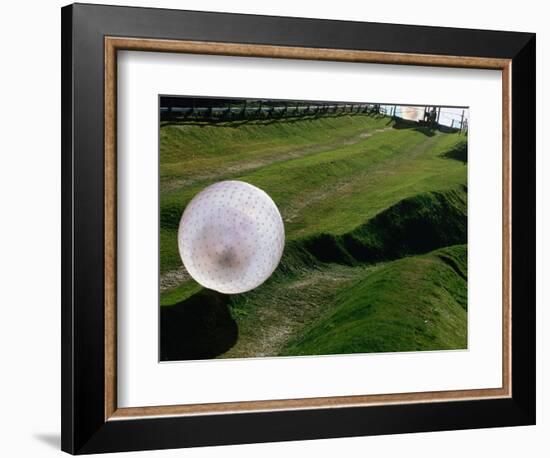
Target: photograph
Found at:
x=279, y=228
x=308, y=227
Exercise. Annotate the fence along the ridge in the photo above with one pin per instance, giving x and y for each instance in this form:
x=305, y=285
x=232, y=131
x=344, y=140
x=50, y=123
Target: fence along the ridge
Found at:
x=174, y=108
x=181, y=109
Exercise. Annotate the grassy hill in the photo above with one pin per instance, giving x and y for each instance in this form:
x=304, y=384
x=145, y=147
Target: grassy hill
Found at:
x=363, y=201
x=414, y=303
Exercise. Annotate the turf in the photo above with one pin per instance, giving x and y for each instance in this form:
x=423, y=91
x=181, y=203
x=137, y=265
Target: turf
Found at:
x=414, y=303
x=307, y=285
x=369, y=207
x=323, y=189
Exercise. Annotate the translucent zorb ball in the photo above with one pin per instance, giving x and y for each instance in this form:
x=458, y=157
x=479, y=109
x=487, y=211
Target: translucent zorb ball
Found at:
x=231, y=237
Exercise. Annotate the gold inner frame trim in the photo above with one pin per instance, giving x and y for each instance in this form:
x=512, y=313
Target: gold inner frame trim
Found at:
x=114, y=44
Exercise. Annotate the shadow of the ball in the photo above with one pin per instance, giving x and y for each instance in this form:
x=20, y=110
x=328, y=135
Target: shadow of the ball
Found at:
x=200, y=327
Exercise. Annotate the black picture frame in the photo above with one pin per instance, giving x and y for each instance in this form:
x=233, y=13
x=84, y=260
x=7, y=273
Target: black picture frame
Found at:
x=84, y=427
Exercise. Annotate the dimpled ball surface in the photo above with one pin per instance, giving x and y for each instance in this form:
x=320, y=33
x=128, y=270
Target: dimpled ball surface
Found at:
x=231, y=237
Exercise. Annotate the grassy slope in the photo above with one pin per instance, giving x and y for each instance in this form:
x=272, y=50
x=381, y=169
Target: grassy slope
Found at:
x=414, y=303
x=347, y=178
x=188, y=151
x=284, y=306
x=307, y=285
x=414, y=225
x=330, y=191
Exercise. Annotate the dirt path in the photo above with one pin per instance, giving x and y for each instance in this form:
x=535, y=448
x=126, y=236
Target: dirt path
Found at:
x=173, y=278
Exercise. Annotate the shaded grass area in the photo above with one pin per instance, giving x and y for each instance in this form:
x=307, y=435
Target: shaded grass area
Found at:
x=414, y=303
x=200, y=327
x=459, y=152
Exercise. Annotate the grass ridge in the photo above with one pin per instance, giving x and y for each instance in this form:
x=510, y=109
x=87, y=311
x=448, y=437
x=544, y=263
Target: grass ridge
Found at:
x=413, y=303
x=414, y=225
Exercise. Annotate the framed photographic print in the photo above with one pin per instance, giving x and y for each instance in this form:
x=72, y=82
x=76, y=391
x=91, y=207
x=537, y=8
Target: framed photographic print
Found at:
x=282, y=228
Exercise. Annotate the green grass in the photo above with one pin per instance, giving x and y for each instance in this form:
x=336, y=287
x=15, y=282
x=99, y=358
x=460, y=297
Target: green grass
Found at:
x=191, y=150
x=369, y=207
x=414, y=303
x=311, y=278
x=180, y=292
x=414, y=225
x=330, y=191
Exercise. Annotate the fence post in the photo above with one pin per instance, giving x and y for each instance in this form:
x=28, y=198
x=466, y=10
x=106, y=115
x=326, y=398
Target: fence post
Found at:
x=170, y=109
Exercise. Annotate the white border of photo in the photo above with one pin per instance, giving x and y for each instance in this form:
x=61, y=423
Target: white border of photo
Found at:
x=144, y=381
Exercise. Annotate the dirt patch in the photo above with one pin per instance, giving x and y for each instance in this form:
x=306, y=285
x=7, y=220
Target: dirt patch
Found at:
x=173, y=278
